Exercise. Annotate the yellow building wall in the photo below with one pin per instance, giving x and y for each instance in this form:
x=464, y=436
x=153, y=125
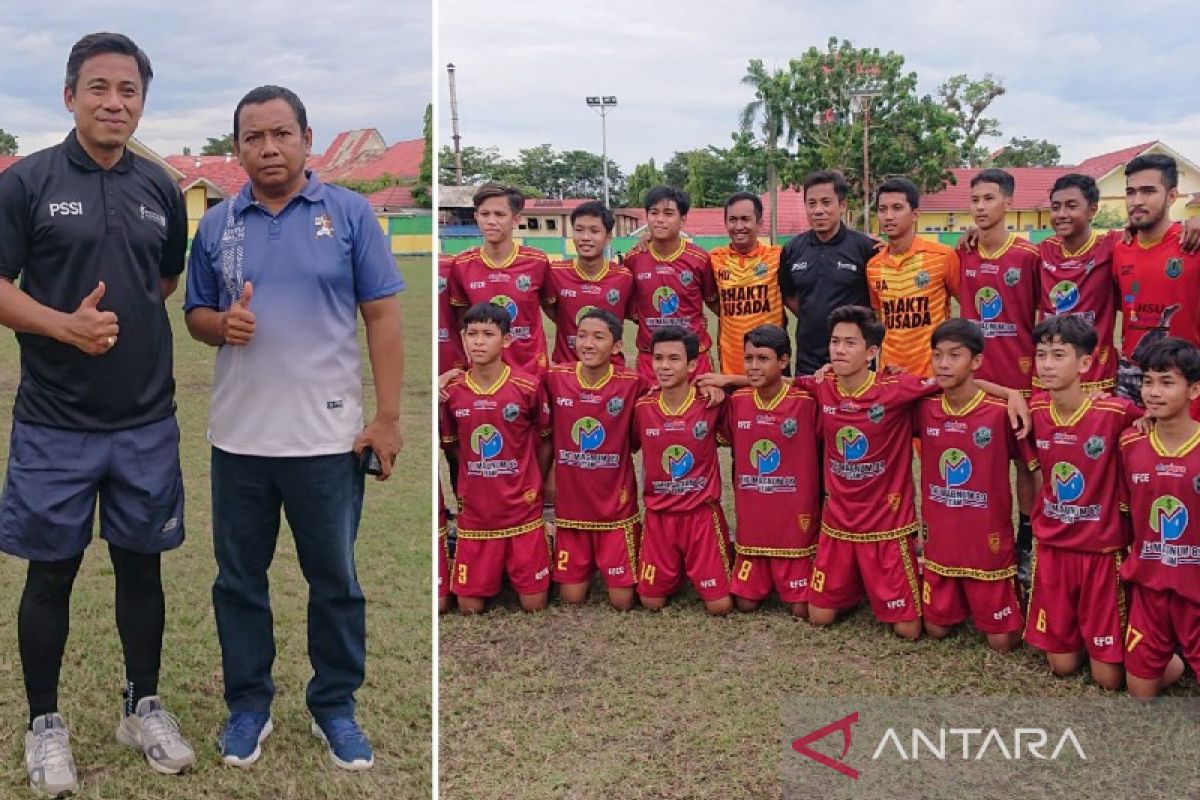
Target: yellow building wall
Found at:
x=196, y=200
x=1014, y=220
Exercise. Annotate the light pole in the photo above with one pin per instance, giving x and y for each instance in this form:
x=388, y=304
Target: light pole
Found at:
x=862, y=98
x=602, y=104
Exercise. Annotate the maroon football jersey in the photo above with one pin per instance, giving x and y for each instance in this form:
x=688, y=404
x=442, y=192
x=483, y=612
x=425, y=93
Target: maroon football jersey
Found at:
x=497, y=429
x=775, y=478
x=1078, y=458
x=1000, y=292
x=1163, y=491
x=671, y=290
x=592, y=446
x=1082, y=283
x=518, y=285
x=574, y=294
x=868, y=455
x=450, y=353
x=966, y=498
x=680, y=469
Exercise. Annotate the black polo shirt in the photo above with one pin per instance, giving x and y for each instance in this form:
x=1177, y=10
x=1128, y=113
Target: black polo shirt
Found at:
x=824, y=275
x=65, y=225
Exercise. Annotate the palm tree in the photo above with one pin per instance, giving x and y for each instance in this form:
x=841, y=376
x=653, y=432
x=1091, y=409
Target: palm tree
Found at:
x=768, y=105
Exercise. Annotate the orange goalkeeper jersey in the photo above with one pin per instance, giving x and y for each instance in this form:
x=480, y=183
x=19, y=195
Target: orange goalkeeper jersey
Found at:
x=911, y=293
x=748, y=287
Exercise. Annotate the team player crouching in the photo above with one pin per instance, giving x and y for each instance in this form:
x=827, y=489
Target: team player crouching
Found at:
x=1161, y=477
x=869, y=523
x=966, y=501
x=500, y=419
x=596, y=513
x=1076, y=601
x=772, y=428
x=685, y=533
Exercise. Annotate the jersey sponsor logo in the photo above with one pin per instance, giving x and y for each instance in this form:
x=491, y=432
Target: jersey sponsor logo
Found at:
x=159, y=219
x=487, y=442
x=739, y=301
x=760, y=269
x=323, y=226
x=588, y=434
x=686, y=277
x=1024, y=363
x=677, y=461
x=906, y=313
x=843, y=265
x=565, y=402
x=993, y=542
x=1064, y=296
x=615, y=406
x=73, y=208
x=1174, y=268
x=1012, y=276
x=613, y=297
x=524, y=282
x=788, y=427
x=507, y=303
x=982, y=436
x=1093, y=448
x=765, y=456
x=875, y=413
x=511, y=412
x=988, y=303
x=851, y=443
x=921, y=279
x=700, y=430
x=567, y=293
x=1168, y=517
x=477, y=285
x=956, y=469
x=1067, y=484
x=665, y=301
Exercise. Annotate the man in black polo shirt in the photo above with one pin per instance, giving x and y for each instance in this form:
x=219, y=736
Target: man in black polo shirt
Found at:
x=96, y=236
x=822, y=269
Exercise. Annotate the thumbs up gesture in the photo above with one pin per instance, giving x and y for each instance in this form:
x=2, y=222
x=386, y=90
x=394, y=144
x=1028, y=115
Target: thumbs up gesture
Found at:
x=238, y=322
x=91, y=330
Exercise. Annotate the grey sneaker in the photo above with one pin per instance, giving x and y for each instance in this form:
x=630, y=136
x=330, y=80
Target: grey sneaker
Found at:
x=156, y=733
x=48, y=757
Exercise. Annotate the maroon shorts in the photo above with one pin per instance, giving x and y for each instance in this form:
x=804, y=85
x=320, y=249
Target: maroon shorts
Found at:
x=991, y=604
x=1158, y=621
x=443, y=586
x=645, y=367
x=1076, y=602
x=676, y=544
x=755, y=577
x=479, y=564
x=885, y=571
x=579, y=553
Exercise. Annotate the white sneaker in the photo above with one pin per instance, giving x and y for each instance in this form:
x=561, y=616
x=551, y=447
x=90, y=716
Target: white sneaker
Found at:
x=48, y=757
x=156, y=733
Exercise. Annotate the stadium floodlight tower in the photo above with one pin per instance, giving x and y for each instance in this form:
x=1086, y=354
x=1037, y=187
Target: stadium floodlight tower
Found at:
x=862, y=98
x=602, y=104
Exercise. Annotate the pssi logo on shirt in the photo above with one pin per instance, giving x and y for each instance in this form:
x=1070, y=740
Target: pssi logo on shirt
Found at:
x=73, y=208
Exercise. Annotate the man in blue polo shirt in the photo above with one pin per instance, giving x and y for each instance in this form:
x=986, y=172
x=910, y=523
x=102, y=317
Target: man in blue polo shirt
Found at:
x=277, y=276
x=96, y=236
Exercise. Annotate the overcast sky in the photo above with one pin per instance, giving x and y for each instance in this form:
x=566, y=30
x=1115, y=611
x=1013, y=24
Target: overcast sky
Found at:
x=1089, y=75
x=354, y=63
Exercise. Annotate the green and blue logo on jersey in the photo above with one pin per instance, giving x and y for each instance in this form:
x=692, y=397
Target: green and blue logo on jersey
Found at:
x=588, y=434
x=955, y=467
x=677, y=461
x=666, y=302
x=1168, y=517
x=1067, y=482
x=851, y=443
x=487, y=441
x=988, y=303
x=764, y=456
x=1064, y=296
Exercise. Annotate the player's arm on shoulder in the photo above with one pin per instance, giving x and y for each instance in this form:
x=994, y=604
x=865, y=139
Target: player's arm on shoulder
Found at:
x=1018, y=409
x=1189, y=236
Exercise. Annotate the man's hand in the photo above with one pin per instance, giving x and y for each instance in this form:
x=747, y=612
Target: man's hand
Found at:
x=713, y=396
x=713, y=380
x=91, y=330
x=826, y=371
x=1018, y=414
x=1189, y=237
x=969, y=239
x=237, y=325
x=1143, y=425
x=382, y=436
x=444, y=381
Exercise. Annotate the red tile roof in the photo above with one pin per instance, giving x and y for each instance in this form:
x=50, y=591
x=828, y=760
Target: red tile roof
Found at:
x=792, y=218
x=401, y=160
x=1033, y=189
x=1101, y=165
x=393, y=198
x=224, y=172
x=8, y=161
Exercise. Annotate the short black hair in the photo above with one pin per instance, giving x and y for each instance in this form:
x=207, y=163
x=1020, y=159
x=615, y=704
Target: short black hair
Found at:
x=771, y=336
x=265, y=94
x=594, y=208
x=514, y=196
x=960, y=331
x=675, y=194
x=1084, y=183
x=98, y=44
x=840, y=187
x=608, y=318
x=900, y=186
x=738, y=197
x=1070, y=329
x=1166, y=166
x=868, y=324
x=1173, y=353
x=484, y=313
x=1005, y=180
x=678, y=333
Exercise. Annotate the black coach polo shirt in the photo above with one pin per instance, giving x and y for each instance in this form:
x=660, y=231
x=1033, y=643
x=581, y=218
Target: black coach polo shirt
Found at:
x=824, y=275
x=65, y=225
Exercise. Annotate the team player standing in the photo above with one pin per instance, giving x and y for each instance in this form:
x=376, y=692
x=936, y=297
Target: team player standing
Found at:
x=962, y=396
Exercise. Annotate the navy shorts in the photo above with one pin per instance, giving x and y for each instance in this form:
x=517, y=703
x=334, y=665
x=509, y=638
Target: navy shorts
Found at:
x=55, y=476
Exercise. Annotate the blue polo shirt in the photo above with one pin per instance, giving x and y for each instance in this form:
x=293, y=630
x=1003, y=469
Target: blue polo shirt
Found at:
x=296, y=388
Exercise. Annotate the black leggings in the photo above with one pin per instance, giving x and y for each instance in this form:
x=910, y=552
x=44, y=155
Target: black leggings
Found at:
x=44, y=620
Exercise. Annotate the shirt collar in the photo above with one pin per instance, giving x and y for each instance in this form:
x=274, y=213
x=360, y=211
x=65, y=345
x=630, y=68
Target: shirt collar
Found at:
x=837, y=239
x=80, y=158
x=313, y=191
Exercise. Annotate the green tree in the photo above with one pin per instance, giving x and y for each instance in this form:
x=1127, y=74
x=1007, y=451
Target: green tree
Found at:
x=708, y=175
x=1028, y=153
x=222, y=146
x=769, y=108
x=480, y=164
x=1108, y=218
x=582, y=175
x=643, y=178
x=910, y=134
x=8, y=143
x=968, y=100
x=422, y=191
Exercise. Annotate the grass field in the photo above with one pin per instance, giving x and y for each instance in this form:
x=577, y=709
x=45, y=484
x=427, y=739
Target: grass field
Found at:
x=395, y=704
x=582, y=703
